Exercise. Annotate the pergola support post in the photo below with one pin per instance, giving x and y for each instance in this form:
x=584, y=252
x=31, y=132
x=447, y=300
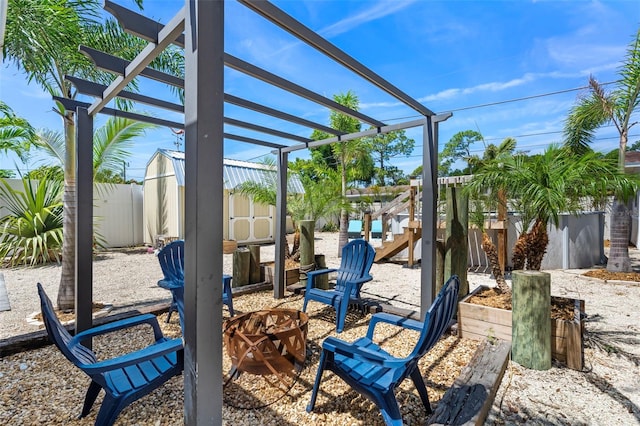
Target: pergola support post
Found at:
x=84, y=221
x=204, y=52
x=429, y=215
x=281, y=224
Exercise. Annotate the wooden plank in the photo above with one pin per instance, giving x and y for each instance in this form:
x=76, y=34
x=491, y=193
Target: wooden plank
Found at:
x=38, y=339
x=4, y=297
x=484, y=330
x=470, y=398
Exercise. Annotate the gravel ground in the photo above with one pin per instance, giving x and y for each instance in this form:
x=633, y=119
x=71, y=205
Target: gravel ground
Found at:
x=39, y=387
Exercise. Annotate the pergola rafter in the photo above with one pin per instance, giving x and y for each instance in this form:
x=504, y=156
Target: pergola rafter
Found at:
x=199, y=29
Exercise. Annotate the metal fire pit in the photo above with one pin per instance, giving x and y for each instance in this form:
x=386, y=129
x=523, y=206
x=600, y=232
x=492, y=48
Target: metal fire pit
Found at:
x=266, y=342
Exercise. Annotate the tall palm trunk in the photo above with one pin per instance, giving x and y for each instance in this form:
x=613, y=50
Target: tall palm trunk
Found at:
x=67, y=288
x=619, y=260
x=519, y=257
x=538, y=240
x=343, y=236
x=492, y=254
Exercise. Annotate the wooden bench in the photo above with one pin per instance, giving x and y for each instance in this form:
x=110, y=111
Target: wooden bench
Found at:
x=470, y=398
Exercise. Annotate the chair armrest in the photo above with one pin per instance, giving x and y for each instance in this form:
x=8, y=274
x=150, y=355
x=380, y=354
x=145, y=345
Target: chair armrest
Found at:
x=133, y=358
x=396, y=320
x=121, y=324
x=360, y=353
x=170, y=284
x=312, y=275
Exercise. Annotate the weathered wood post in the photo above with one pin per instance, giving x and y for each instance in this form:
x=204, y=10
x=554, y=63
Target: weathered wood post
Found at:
x=241, y=265
x=439, y=265
x=254, y=264
x=307, y=249
x=531, y=320
x=456, y=245
x=367, y=225
x=322, y=280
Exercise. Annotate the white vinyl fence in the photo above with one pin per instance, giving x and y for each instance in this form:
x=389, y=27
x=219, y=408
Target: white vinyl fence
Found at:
x=117, y=213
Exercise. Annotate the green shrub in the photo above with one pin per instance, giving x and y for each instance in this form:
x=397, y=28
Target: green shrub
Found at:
x=32, y=231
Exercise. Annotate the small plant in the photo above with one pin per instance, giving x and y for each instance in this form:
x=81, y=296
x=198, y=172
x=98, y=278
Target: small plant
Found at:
x=32, y=231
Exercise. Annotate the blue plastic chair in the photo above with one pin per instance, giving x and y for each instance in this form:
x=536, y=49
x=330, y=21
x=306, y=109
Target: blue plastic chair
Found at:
x=171, y=259
x=376, y=228
x=355, y=229
x=125, y=378
x=376, y=374
x=357, y=258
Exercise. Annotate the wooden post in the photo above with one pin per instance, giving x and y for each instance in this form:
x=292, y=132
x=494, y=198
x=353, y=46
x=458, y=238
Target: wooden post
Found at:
x=322, y=280
x=439, y=265
x=254, y=264
x=502, y=233
x=531, y=331
x=384, y=227
x=412, y=204
x=456, y=244
x=307, y=255
x=367, y=226
x=241, y=265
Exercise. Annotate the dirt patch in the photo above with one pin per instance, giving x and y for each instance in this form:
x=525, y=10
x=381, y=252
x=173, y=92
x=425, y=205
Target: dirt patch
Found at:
x=605, y=275
x=561, y=308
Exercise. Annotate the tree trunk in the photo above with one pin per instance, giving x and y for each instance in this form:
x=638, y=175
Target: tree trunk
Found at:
x=492, y=253
x=619, y=260
x=537, y=247
x=67, y=287
x=343, y=237
x=519, y=257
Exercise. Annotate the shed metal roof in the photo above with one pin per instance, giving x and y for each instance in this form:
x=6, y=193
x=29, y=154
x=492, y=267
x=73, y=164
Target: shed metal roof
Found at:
x=236, y=172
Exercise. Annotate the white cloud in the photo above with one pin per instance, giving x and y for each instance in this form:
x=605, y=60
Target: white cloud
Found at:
x=371, y=13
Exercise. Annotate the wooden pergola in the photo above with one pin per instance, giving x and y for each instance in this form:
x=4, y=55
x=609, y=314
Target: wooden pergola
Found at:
x=199, y=29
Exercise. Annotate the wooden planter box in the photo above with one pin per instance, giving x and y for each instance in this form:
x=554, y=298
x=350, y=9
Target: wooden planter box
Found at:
x=292, y=276
x=479, y=322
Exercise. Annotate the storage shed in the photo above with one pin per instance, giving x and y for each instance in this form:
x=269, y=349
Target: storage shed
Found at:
x=244, y=221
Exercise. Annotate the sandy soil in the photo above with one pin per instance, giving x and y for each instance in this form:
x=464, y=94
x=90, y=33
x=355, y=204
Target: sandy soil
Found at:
x=606, y=392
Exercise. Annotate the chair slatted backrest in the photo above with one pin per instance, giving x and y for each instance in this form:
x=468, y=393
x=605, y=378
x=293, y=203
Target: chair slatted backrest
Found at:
x=77, y=354
x=438, y=317
x=171, y=259
x=357, y=258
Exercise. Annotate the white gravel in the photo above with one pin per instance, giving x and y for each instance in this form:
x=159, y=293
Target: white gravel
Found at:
x=607, y=392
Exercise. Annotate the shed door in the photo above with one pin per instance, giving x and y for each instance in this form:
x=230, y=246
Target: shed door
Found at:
x=248, y=221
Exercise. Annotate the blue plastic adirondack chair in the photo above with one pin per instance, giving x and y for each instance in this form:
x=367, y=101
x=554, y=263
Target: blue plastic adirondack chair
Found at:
x=376, y=228
x=376, y=374
x=125, y=378
x=357, y=258
x=171, y=259
x=355, y=229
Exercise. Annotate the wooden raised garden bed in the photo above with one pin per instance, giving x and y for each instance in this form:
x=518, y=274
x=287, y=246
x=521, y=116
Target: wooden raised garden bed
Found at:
x=292, y=276
x=480, y=322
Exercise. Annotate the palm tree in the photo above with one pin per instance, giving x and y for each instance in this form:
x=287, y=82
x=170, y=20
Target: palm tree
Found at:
x=547, y=185
x=42, y=38
x=111, y=144
x=16, y=134
x=601, y=107
x=352, y=157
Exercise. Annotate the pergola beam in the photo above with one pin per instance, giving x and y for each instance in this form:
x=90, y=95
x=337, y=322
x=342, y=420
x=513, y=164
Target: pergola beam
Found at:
x=253, y=141
x=95, y=89
x=356, y=135
x=257, y=128
x=72, y=104
x=147, y=29
x=166, y=36
x=272, y=13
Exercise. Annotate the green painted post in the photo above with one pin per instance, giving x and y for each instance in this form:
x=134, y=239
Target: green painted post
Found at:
x=531, y=320
x=456, y=244
x=307, y=248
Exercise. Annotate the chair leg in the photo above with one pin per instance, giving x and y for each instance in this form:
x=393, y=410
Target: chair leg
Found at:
x=172, y=309
x=109, y=411
x=418, y=382
x=321, y=365
x=341, y=315
x=390, y=410
x=90, y=398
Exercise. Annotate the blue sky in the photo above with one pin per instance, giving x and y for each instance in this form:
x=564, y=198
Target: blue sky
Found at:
x=450, y=55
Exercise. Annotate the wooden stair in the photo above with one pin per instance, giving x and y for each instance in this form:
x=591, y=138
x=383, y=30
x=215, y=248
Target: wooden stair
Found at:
x=399, y=243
